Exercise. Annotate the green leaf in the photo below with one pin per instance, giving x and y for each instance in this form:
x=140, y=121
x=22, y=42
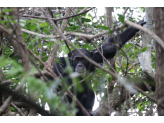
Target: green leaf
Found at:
x=144, y=49
x=58, y=15
x=110, y=31
x=12, y=109
x=46, y=31
x=109, y=78
x=85, y=46
x=51, y=27
x=44, y=24
x=143, y=9
x=121, y=18
x=7, y=16
x=12, y=66
x=103, y=27
x=25, y=35
x=7, y=10
x=3, y=21
x=49, y=44
x=127, y=46
x=32, y=27
x=135, y=48
x=85, y=20
x=88, y=16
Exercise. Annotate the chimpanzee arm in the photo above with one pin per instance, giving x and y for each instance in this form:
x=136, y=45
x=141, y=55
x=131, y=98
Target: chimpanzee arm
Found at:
x=114, y=43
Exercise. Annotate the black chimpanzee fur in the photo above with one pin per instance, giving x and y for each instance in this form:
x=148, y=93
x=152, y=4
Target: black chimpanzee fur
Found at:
x=81, y=65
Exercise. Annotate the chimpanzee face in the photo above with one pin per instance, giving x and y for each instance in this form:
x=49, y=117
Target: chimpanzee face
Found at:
x=80, y=64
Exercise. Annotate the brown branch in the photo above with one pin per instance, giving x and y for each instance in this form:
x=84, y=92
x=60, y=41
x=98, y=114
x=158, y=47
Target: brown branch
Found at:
x=17, y=109
x=55, y=48
x=8, y=100
x=44, y=77
x=62, y=18
x=126, y=9
x=79, y=21
x=20, y=50
x=36, y=57
x=41, y=51
x=148, y=96
x=21, y=104
x=45, y=73
x=6, y=82
x=153, y=35
x=40, y=110
x=39, y=35
x=22, y=53
x=104, y=58
x=69, y=92
x=133, y=65
x=2, y=77
x=90, y=60
x=86, y=36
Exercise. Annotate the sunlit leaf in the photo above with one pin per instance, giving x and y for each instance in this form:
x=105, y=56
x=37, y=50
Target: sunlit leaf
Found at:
x=144, y=49
x=121, y=18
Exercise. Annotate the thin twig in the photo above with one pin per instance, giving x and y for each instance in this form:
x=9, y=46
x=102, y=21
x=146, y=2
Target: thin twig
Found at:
x=141, y=91
x=88, y=37
x=40, y=110
x=104, y=57
x=90, y=60
x=36, y=57
x=17, y=109
x=126, y=9
x=51, y=22
x=79, y=22
x=69, y=92
x=62, y=18
x=9, y=99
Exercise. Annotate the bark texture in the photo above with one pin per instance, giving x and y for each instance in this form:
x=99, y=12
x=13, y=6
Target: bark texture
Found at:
x=159, y=29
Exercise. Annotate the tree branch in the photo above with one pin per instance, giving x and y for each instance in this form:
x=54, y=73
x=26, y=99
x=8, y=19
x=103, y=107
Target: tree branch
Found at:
x=69, y=92
x=62, y=18
x=153, y=35
x=17, y=109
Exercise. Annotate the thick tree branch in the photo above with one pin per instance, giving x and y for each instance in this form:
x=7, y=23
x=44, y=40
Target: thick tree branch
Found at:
x=20, y=50
x=153, y=35
x=88, y=37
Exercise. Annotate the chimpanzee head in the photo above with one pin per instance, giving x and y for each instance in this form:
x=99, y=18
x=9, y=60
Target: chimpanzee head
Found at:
x=80, y=64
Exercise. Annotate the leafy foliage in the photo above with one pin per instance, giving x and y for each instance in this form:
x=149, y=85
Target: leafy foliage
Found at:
x=43, y=92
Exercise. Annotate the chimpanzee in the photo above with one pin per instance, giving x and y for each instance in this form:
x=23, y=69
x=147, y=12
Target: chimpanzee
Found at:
x=81, y=65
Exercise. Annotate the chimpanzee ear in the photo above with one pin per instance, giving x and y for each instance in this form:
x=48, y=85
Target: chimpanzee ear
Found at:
x=69, y=54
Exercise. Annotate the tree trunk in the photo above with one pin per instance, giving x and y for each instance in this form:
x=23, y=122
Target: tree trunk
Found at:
x=1, y=73
x=159, y=29
x=145, y=57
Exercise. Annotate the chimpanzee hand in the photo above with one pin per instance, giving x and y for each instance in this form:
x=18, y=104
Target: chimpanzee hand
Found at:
x=141, y=22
